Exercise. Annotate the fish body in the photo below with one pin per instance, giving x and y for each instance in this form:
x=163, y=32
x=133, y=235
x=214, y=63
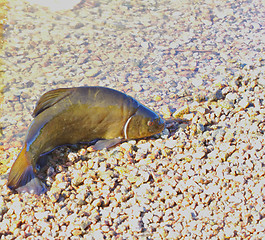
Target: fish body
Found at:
x=75, y=115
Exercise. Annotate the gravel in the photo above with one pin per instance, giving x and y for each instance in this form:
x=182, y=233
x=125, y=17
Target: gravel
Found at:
x=200, y=64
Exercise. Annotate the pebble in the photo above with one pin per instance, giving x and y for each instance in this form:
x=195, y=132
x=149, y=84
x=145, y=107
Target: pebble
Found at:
x=54, y=195
x=217, y=95
x=170, y=143
x=92, y=72
x=181, y=111
x=157, y=98
x=165, y=111
x=41, y=215
x=261, y=81
x=232, y=97
x=200, y=128
x=3, y=209
x=188, y=116
x=137, y=88
x=244, y=103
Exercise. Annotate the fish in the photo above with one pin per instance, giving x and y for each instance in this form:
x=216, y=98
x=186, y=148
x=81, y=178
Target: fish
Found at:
x=68, y=116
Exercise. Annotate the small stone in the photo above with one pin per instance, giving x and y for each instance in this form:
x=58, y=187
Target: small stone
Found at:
x=200, y=128
x=41, y=215
x=126, y=146
x=54, y=195
x=200, y=118
x=76, y=232
x=84, y=225
x=144, y=176
x=200, y=153
x=201, y=110
x=145, y=45
x=78, y=25
x=62, y=185
x=188, y=116
x=3, y=209
x=106, y=175
x=97, y=202
x=89, y=199
x=78, y=180
x=229, y=136
x=137, y=88
x=92, y=72
x=105, y=229
x=261, y=81
x=99, y=235
x=165, y=111
x=244, y=103
x=198, y=97
x=227, y=104
x=72, y=156
x=170, y=143
x=157, y=98
x=218, y=133
x=158, y=177
x=229, y=231
x=136, y=225
x=183, y=126
x=181, y=111
x=81, y=202
x=232, y=97
x=82, y=152
x=165, y=133
x=122, y=170
x=132, y=178
x=216, y=95
x=50, y=171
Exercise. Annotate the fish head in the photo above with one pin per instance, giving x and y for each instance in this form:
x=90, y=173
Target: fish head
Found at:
x=143, y=123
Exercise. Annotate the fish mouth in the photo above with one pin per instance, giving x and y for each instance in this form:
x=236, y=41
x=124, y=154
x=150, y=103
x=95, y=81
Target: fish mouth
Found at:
x=160, y=125
x=161, y=122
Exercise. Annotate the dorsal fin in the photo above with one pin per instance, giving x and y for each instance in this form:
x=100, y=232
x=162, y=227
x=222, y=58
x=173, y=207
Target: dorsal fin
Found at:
x=50, y=98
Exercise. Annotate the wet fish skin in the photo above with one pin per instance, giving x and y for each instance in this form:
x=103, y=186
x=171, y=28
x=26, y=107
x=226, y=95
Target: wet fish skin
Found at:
x=75, y=115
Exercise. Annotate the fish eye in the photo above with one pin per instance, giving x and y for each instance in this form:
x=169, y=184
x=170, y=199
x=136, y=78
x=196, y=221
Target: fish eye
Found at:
x=150, y=123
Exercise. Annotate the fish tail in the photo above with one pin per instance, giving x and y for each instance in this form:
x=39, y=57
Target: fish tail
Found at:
x=22, y=178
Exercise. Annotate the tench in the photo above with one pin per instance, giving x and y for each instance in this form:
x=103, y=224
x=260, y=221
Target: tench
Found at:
x=79, y=115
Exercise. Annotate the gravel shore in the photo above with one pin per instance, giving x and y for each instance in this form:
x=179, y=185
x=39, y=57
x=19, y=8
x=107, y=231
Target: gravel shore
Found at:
x=200, y=64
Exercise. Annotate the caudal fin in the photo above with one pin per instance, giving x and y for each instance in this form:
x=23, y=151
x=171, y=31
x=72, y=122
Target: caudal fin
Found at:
x=22, y=178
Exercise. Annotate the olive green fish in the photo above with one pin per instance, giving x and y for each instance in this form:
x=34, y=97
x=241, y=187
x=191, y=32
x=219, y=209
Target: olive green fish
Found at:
x=79, y=115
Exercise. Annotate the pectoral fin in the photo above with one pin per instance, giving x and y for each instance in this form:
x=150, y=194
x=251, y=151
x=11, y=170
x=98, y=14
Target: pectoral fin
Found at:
x=106, y=143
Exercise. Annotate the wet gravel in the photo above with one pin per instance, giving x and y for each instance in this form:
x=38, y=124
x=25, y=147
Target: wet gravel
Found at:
x=200, y=64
